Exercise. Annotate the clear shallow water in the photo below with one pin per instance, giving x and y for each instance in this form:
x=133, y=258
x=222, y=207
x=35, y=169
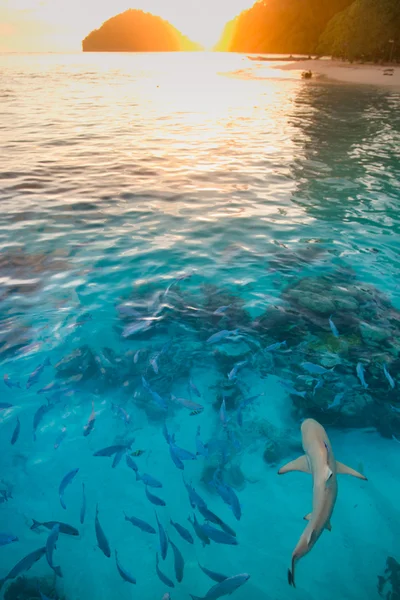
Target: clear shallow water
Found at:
x=119, y=175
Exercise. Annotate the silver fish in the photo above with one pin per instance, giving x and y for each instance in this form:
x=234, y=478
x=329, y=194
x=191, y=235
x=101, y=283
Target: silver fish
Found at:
x=337, y=400
x=315, y=369
x=360, y=375
x=221, y=335
x=291, y=389
x=137, y=327
x=9, y=383
x=232, y=374
x=34, y=376
x=388, y=377
x=333, y=327
x=275, y=346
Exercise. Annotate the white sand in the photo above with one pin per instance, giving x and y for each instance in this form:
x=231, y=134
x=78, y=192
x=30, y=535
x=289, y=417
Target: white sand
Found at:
x=350, y=73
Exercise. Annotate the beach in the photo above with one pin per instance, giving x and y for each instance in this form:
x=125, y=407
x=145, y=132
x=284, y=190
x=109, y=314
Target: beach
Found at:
x=350, y=73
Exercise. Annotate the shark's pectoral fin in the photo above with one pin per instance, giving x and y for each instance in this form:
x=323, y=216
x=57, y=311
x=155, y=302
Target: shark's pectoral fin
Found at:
x=300, y=464
x=328, y=526
x=328, y=473
x=308, y=517
x=345, y=470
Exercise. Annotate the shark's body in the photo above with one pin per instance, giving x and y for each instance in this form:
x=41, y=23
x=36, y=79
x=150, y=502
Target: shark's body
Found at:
x=320, y=462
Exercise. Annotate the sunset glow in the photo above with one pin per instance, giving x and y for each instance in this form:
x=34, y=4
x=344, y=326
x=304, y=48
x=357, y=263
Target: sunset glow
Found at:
x=55, y=25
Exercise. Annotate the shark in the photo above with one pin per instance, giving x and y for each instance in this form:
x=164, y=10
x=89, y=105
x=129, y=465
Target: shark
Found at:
x=319, y=461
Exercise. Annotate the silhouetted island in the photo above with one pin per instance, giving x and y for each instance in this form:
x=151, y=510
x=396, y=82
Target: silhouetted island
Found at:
x=350, y=29
x=137, y=31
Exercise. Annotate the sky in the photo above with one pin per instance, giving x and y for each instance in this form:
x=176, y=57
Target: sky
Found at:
x=60, y=25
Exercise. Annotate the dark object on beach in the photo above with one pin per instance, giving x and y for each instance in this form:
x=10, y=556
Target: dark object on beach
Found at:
x=390, y=578
x=306, y=74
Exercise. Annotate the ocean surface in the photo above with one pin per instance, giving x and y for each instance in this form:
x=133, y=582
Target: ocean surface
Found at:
x=149, y=202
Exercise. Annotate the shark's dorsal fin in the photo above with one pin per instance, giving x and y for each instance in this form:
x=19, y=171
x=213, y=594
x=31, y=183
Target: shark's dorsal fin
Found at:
x=308, y=517
x=300, y=464
x=328, y=473
x=345, y=470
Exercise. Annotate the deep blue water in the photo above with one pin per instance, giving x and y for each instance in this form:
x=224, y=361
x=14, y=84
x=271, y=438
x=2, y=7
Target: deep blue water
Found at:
x=142, y=193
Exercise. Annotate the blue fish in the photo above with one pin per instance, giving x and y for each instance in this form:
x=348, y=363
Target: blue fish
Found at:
x=11, y=384
x=275, y=346
x=34, y=376
x=156, y=397
x=140, y=524
x=221, y=537
x=16, y=431
x=161, y=575
x=38, y=416
x=7, y=538
x=182, y=453
x=337, y=400
x=199, y=531
x=221, y=335
x=179, y=563
x=175, y=458
x=60, y=438
x=213, y=575
x=4, y=405
x=50, y=547
x=360, y=375
x=228, y=496
x=291, y=389
x=388, y=377
x=124, y=574
x=131, y=463
x=102, y=541
x=333, y=327
x=318, y=385
x=194, y=498
x=222, y=413
x=224, y=588
x=163, y=538
x=183, y=532
x=148, y=480
x=221, y=309
x=83, y=506
x=154, y=499
x=117, y=457
x=24, y=564
x=110, y=450
x=64, y=483
x=233, y=373
x=201, y=448
x=213, y=518
x=194, y=388
x=315, y=369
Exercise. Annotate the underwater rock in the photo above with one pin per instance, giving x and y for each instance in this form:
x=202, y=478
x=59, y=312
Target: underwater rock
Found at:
x=389, y=582
x=79, y=362
x=372, y=334
x=29, y=588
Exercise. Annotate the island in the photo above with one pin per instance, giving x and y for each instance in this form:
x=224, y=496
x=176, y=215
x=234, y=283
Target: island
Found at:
x=137, y=31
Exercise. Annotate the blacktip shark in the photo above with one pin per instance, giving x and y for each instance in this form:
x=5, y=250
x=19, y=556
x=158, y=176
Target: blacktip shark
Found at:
x=320, y=462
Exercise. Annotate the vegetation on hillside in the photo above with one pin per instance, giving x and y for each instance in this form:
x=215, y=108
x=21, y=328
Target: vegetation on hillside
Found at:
x=137, y=31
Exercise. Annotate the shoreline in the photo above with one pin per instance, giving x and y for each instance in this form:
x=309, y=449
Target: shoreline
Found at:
x=337, y=70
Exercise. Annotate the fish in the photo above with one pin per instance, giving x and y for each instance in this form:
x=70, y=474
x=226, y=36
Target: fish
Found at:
x=63, y=527
x=117, y=457
x=187, y=403
x=291, y=389
x=131, y=463
x=7, y=538
x=154, y=364
x=50, y=387
x=320, y=462
x=136, y=327
x=175, y=458
x=16, y=431
x=156, y=397
x=201, y=449
x=337, y=400
x=275, y=346
x=161, y=575
x=154, y=499
x=229, y=497
x=179, y=563
x=122, y=413
x=222, y=413
x=199, y=531
x=221, y=309
x=137, y=353
x=221, y=335
x=224, y=588
x=126, y=310
x=50, y=547
x=124, y=574
x=83, y=505
x=38, y=416
x=64, y=483
x=60, y=438
x=34, y=376
x=163, y=538
x=102, y=541
x=90, y=424
x=315, y=369
x=9, y=383
x=182, y=453
x=194, y=388
x=360, y=375
x=4, y=405
x=388, y=377
x=194, y=498
x=138, y=453
x=221, y=537
x=213, y=518
x=148, y=480
x=333, y=327
x=194, y=413
x=318, y=385
x=232, y=374
x=140, y=524
x=166, y=596
x=213, y=575
x=24, y=564
x=183, y=532
x=110, y=450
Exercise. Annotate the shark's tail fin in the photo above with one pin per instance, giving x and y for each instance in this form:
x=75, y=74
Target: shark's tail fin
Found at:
x=291, y=575
x=35, y=524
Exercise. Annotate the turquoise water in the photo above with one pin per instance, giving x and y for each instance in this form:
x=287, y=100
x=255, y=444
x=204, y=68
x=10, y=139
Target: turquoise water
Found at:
x=150, y=191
